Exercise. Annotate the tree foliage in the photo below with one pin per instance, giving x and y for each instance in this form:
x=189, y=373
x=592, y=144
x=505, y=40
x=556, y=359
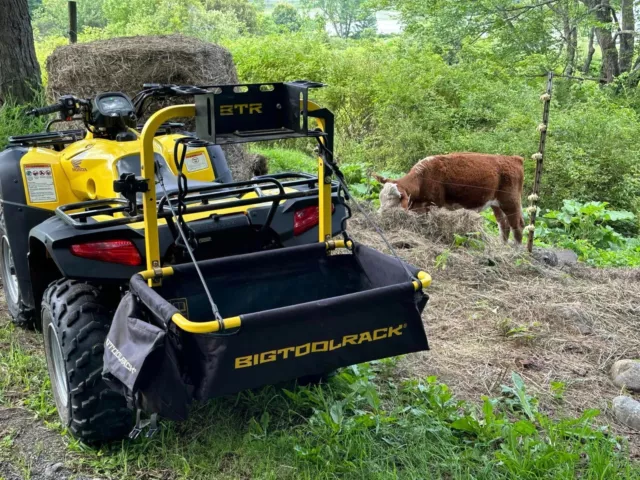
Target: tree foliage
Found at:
x=244, y=11
x=51, y=17
x=347, y=18
x=552, y=29
x=464, y=75
x=287, y=17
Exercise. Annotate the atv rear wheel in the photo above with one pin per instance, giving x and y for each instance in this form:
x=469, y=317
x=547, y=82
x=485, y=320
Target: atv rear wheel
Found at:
x=12, y=295
x=75, y=321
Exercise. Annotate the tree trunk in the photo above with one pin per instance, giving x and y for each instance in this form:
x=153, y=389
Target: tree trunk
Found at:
x=590, y=51
x=610, y=67
x=627, y=37
x=19, y=69
x=571, y=39
x=601, y=9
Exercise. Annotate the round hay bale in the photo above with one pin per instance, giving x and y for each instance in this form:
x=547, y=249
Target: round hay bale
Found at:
x=125, y=64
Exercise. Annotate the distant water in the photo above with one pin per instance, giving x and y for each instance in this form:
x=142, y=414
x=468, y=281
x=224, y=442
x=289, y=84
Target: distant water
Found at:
x=388, y=21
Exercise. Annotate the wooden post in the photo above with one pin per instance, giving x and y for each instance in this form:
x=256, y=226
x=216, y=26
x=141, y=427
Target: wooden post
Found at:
x=539, y=158
x=73, y=22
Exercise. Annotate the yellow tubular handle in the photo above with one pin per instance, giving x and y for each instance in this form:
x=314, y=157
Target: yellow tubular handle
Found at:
x=425, y=281
x=324, y=189
x=204, y=327
x=150, y=210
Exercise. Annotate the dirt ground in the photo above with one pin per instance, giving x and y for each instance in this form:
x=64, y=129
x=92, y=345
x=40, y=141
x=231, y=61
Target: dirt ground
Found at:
x=492, y=310
x=31, y=450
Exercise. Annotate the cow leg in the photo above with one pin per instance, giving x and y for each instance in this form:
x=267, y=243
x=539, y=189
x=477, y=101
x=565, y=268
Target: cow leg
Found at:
x=513, y=213
x=503, y=223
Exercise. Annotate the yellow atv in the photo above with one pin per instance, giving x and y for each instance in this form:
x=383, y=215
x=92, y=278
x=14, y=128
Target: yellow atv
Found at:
x=217, y=286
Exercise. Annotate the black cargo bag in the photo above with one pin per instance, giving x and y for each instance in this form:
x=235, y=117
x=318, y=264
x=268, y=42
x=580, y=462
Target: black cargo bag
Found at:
x=303, y=311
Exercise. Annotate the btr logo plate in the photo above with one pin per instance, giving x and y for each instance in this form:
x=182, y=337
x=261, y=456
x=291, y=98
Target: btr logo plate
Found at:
x=241, y=109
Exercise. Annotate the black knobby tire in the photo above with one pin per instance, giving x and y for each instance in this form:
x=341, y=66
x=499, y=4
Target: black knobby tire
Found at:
x=77, y=315
x=20, y=315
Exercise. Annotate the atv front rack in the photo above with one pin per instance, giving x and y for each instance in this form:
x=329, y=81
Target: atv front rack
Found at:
x=200, y=199
x=58, y=139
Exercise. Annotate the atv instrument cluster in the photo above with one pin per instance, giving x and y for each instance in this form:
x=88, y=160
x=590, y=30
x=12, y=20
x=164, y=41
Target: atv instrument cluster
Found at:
x=107, y=115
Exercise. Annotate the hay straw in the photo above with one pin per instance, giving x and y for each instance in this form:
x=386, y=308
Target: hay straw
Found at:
x=125, y=64
x=495, y=310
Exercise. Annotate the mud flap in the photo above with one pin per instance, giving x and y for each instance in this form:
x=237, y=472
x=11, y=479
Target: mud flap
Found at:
x=354, y=308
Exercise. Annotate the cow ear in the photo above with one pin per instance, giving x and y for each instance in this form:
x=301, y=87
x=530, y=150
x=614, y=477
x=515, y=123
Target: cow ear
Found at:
x=380, y=179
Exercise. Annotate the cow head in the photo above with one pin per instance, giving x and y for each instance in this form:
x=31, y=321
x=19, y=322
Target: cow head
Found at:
x=392, y=195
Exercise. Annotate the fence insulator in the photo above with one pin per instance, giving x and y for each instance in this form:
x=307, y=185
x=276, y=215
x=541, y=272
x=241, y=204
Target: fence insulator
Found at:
x=545, y=97
x=542, y=127
x=533, y=197
x=532, y=209
x=537, y=156
x=529, y=228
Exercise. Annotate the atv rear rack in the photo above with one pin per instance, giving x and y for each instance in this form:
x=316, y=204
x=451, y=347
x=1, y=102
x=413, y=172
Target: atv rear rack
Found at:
x=199, y=200
x=199, y=330
x=58, y=139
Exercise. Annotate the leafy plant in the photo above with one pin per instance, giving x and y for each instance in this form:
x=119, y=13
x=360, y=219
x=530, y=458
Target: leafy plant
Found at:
x=591, y=221
x=558, y=389
x=441, y=260
x=592, y=230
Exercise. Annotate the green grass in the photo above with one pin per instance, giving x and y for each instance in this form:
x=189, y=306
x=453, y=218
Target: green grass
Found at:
x=363, y=424
x=13, y=121
x=285, y=159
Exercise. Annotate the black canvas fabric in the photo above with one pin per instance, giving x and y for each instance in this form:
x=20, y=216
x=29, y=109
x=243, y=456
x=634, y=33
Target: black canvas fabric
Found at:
x=143, y=355
x=302, y=312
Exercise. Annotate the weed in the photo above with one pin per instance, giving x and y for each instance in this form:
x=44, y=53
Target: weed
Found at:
x=557, y=390
x=441, y=260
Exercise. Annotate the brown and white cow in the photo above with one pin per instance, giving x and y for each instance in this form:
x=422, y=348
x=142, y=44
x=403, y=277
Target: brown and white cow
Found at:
x=468, y=180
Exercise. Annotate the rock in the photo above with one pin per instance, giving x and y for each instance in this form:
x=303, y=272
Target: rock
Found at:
x=545, y=255
x=627, y=411
x=51, y=470
x=565, y=256
x=555, y=257
x=626, y=373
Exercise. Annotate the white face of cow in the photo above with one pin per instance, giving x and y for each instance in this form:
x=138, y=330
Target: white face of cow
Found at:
x=390, y=197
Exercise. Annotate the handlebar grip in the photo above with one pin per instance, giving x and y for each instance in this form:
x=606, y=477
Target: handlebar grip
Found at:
x=36, y=112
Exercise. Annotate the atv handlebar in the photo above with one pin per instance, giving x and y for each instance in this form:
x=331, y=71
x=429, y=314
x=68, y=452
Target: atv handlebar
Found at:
x=67, y=104
x=36, y=112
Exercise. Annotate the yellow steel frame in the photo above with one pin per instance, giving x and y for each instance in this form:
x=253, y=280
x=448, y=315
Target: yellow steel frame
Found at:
x=151, y=236
x=324, y=186
x=155, y=272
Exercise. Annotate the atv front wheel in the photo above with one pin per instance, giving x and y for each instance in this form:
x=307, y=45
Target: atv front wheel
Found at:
x=75, y=321
x=12, y=295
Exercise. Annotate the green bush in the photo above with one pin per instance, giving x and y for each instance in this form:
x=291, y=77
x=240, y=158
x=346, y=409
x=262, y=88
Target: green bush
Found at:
x=13, y=121
x=598, y=235
x=397, y=102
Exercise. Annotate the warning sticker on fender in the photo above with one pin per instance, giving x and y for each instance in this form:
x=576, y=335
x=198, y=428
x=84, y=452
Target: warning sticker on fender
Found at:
x=195, y=161
x=40, y=184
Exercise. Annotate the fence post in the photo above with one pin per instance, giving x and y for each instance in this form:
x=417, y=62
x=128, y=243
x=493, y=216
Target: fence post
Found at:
x=539, y=158
x=73, y=22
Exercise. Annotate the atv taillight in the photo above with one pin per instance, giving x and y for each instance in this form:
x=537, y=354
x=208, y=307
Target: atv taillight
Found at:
x=123, y=252
x=306, y=219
